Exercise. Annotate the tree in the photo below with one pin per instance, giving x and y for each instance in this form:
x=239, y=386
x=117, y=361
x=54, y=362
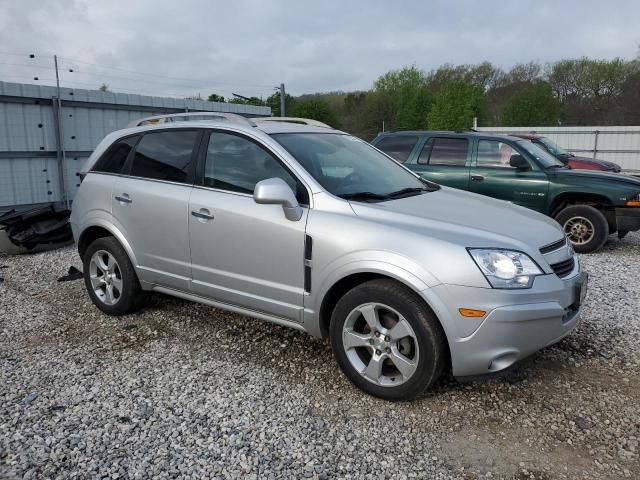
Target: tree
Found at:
x=401, y=99
x=316, y=109
x=273, y=102
x=534, y=106
x=215, y=98
x=104, y=87
x=455, y=107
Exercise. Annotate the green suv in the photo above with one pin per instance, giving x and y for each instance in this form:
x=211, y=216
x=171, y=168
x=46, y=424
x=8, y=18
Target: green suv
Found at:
x=589, y=205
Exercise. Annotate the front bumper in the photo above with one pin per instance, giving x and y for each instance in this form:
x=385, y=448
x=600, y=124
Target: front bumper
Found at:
x=628, y=219
x=517, y=323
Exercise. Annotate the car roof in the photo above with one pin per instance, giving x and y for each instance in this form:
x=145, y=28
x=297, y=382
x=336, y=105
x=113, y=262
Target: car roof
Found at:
x=465, y=133
x=264, y=126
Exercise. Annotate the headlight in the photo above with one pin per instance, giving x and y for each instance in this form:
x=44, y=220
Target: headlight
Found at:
x=506, y=268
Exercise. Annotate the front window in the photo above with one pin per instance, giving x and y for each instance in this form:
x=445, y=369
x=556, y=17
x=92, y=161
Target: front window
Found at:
x=553, y=148
x=350, y=168
x=542, y=156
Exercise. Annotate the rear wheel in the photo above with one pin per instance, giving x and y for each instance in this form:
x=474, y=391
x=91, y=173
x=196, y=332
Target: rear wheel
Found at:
x=110, y=278
x=387, y=341
x=586, y=227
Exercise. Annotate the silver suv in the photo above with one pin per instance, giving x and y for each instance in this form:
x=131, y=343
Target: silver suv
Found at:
x=308, y=227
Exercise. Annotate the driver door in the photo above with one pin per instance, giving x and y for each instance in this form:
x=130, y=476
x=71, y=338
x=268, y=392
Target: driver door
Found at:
x=243, y=253
x=492, y=175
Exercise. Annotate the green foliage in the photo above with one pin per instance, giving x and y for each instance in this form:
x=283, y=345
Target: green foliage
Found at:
x=533, y=106
x=455, y=107
x=273, y=102
x=317, y=109
x=401, y=99
x=216, y=98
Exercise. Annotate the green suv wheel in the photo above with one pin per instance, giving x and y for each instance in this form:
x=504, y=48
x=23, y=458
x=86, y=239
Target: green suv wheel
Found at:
x=585, y=227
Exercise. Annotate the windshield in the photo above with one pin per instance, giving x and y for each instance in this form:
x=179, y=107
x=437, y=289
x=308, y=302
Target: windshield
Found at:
x=552, y=147
x=350, y=168
x=544, y=158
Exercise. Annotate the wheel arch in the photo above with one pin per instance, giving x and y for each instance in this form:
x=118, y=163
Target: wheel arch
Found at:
x=101, y=229
x=349, y=281
x=595, y=200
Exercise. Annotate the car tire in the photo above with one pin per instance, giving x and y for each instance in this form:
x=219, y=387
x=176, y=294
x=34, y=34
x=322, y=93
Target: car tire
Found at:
x=110, y=278
x=396, y=364
x=586, y=227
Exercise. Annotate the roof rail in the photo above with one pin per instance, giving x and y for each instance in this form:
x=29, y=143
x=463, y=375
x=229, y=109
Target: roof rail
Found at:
x=303, y=121
x=193, y=117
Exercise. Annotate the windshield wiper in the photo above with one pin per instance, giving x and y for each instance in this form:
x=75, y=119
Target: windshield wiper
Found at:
x=406, y=192
x=364, y=196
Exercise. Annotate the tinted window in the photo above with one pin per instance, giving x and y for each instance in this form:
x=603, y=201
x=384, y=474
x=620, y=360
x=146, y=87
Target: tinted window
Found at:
x=398, y=146
x=235, y=163
x=444, y=151
x=492, y=153
x=115, y=157
x=164, y=155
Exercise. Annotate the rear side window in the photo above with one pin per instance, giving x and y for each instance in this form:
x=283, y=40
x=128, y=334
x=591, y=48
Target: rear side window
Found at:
x=115, y=157
x=445, y=151
x=236, y=164
x=398, y=147
x=164, y=155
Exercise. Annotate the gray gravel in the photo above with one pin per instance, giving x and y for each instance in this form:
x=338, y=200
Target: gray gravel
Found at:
x=184, y=390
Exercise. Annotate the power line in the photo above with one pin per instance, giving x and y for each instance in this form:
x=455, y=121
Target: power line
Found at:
x=147, y=74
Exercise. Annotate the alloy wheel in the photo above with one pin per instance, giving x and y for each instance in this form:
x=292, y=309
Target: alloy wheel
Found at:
x=380, y=344
x=106, y=277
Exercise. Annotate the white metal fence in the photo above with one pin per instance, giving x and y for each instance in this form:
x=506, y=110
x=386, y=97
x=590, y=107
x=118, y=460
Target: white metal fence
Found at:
x=616, y=144
x=45, y=141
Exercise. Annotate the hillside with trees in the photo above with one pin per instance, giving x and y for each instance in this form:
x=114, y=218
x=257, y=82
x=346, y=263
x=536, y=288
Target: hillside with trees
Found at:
x=567, y=92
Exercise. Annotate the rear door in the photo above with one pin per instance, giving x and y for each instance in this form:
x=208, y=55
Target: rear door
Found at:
x=151, y=205
x=444, y=160
x=492, y=175
x=243, y=253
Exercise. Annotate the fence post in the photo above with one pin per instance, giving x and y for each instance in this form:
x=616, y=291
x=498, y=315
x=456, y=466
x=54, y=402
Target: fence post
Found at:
x=60, y=154
x=595, y=144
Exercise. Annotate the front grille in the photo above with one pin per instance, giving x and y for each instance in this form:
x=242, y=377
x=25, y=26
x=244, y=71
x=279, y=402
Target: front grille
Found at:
x=553, y=246
x=562, y=269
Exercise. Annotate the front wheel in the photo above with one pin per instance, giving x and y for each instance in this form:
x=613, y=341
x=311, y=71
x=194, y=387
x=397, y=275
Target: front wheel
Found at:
x=387, y=341
x=585, y=227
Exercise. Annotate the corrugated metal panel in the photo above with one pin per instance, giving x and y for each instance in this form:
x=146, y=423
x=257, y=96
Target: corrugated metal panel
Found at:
x=615, y=144
x=28, y=148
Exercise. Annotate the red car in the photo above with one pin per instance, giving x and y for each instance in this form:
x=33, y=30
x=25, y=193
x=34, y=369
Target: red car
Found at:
x=569, y=159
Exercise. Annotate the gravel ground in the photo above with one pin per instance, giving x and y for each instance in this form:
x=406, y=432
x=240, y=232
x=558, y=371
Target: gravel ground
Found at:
x=185, y=390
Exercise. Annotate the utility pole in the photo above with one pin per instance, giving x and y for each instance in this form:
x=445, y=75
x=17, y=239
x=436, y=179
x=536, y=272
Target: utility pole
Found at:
x=283, y=113
x=62, y=160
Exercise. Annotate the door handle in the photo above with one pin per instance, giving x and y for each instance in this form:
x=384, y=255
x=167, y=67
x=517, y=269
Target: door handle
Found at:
x=124, y=198
x=202, y=214
x=477, y=178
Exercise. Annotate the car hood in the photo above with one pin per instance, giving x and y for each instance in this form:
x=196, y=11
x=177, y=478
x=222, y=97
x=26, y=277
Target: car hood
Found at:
x=465, y=218
x=574, y=175
x=594, y=161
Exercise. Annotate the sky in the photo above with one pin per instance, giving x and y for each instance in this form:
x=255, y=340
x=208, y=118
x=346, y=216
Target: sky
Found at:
x=188, y=47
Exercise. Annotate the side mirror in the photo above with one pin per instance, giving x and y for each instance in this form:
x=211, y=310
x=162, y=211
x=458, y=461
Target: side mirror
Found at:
x=519, y=162
x=275, y=191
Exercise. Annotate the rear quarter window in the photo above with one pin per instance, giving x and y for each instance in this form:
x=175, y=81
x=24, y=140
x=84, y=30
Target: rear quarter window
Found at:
x=398, y=147
x=114, y=159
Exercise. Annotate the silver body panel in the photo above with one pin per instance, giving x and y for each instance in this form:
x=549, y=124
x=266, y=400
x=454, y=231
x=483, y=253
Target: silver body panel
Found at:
x=249, y=258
